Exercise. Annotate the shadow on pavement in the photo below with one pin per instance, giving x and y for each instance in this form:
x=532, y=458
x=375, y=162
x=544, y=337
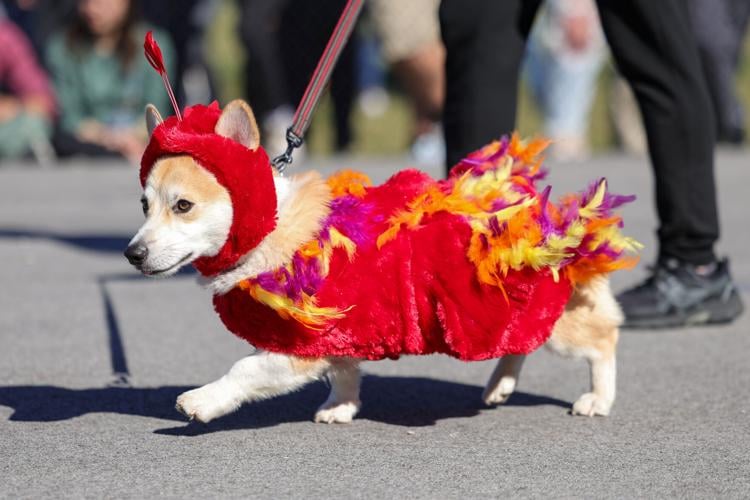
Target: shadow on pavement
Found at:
x=104, y=243
x=95, y=242
x=402, y=401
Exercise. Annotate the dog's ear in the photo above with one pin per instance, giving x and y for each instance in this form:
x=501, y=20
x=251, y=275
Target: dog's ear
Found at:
x=237, y=122
x=153, y=118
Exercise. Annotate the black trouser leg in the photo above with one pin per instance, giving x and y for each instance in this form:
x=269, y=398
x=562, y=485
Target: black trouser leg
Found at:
x=719, y=27
x=484, y=42
x=343, y=92
x=654, y=48
x=266, y=85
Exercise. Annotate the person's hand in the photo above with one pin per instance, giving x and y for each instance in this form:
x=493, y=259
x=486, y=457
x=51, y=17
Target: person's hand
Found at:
x=27, y=4
x=126, y=142
x=10, y=107
x=37, y=105
x=578, y=31
x=92, y=131
x=133, y=148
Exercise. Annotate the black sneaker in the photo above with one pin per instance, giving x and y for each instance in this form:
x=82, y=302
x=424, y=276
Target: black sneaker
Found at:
x=676, y=294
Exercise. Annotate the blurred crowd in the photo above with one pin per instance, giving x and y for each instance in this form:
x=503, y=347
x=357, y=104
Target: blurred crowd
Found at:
x=73, y=80
x=566, y=53
x=73, y=77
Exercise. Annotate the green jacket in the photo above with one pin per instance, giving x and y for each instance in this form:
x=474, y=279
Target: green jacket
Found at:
x=96, y=86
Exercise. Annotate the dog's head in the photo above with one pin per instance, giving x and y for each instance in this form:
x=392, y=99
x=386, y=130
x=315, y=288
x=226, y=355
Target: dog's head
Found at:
x=208, y=191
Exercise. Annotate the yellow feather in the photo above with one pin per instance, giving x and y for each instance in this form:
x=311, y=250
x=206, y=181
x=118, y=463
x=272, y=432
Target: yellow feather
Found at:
x=589, y=210
x=340, y=241
x=308, y=314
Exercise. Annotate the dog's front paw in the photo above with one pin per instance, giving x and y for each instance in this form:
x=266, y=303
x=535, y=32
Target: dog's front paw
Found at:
x=337, y=413
x=591, y=404
x=500, y=393
x=205, y=403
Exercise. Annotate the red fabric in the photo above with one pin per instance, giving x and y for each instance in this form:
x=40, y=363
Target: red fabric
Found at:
x=245, y=173
x=418, y=294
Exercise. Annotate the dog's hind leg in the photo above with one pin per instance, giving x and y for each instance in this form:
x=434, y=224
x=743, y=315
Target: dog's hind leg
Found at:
x=343, y=401
x=260, y=376
x=589, y=329
x=503, y=380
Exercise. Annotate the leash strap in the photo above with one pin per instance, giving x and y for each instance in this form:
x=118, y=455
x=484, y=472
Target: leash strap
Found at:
x=318, y=83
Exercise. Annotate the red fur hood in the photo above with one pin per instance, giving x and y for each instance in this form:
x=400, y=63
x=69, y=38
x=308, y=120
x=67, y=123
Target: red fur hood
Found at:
x=246, y=174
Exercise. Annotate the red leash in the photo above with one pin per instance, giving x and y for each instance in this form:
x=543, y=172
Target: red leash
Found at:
x=318, y=82
x=311, y=97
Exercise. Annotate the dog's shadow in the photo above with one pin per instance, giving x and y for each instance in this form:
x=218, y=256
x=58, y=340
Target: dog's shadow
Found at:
x=400, y=401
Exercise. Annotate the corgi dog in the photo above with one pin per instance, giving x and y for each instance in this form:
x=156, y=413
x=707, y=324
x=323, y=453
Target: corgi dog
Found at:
x=320, y=274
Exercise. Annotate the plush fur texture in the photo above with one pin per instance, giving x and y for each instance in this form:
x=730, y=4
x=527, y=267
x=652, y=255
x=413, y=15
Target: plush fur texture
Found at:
x=418, y=294
x=476, y=266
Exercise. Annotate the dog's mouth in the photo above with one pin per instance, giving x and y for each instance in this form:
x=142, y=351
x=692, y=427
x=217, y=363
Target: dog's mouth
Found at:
x=157, y=272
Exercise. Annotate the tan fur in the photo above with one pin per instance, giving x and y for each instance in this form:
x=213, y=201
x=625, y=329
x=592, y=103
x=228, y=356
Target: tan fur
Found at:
x=588, y=328
x=590, y=321
x=237, y=122
x=153, y=118
x=195, y=183
x=308, y=365
x=300, y=218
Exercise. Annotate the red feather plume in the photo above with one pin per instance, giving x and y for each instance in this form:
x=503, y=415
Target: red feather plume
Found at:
x=155, y=59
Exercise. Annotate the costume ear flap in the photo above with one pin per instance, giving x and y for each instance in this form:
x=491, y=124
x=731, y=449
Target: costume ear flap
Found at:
x=153, y=118
x=237, y=122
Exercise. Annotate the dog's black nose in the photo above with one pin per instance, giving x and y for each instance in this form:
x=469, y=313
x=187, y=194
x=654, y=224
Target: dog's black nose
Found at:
x=136, y=253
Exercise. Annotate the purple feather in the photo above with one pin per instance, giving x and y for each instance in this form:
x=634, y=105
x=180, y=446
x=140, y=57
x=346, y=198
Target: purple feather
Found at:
x=499, y=204
x=484, y=241
x=495, y=226
x=350, y=216
x=267, y=281
x=480, y=164
x=588, y=194
x=569, y=213
x=291, y=284
x=609, y=202
x=544, y=221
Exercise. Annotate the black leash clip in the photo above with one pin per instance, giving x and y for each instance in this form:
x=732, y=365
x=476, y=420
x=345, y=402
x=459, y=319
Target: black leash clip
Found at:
x=293, y=141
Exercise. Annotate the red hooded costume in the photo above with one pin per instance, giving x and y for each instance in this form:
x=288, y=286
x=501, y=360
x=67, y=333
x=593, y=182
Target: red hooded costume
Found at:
x=244, y=173
x=476, y=266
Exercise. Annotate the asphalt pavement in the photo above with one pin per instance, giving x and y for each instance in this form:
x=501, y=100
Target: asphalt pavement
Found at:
x=92, y=357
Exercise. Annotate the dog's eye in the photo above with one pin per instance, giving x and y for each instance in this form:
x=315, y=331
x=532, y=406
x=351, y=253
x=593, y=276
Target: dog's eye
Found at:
x=144, y=205
x=182, y=206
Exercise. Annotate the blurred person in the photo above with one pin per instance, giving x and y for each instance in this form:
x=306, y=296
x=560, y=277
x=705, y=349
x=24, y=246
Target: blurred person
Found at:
x=720, y=28
x=102, y=81
x=40, y=19
x=655, y=49
x=284, y=41
x=265, y=85
x=27, y=105
x=305, y=30
x=626, y=118
x=373, y=98
x=186, y=22
x=410, y=38
x=564, y=56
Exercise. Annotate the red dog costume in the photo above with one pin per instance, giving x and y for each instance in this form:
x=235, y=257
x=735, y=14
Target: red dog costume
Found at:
x=476, y=266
